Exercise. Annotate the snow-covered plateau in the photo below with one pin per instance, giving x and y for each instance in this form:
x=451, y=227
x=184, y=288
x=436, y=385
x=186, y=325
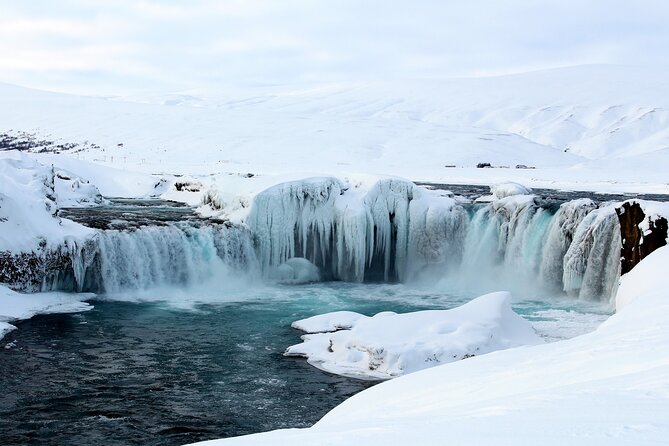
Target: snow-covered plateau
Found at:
x=295, y=186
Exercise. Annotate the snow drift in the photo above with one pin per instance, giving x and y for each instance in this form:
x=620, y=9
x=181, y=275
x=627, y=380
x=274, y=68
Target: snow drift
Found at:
x=388, y=345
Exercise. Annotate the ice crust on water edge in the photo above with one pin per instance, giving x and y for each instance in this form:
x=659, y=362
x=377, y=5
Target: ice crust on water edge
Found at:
x=17, y=306
x=388, y=345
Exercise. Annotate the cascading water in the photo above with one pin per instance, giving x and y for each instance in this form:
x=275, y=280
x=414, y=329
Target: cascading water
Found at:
x=153, y=256
x=392, y=231
x=398, y=232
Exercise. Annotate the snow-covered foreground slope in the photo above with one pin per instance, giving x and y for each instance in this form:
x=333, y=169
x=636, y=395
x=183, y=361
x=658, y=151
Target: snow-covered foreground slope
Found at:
x=389, y=344
x=583, y=127
x=609, y=387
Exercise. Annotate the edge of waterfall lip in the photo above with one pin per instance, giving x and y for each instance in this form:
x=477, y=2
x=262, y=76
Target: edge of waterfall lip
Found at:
x=473, y=191
x=132, y=213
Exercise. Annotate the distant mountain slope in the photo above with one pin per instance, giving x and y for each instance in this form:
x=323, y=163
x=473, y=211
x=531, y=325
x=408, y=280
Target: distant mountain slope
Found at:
x=548, y=119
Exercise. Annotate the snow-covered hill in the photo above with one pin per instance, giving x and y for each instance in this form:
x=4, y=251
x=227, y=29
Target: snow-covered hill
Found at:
x=590, y=127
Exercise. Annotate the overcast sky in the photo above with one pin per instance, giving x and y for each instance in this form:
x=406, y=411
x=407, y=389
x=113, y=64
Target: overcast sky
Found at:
x=123, y=46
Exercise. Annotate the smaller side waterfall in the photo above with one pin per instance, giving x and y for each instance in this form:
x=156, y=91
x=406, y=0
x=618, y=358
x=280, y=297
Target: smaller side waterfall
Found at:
x=153, y=256
x=592, y=262
x=560, y=236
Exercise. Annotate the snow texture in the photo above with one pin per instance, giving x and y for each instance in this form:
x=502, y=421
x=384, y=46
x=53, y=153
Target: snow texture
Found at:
x=30, y=194
x=588, y=128
x=388, y=345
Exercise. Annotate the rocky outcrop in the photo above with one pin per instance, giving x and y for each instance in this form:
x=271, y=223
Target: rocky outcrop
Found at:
x=60, y=268
x=638, y=243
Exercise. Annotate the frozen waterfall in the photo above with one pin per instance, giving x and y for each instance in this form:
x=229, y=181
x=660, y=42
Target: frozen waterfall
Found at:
x=396, y=231
x=152, y=256
x=389, y=230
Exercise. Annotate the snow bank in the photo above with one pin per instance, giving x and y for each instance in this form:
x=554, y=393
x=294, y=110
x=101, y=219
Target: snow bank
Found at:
x=328, y=322
x=503, y=190
x=389, y=345
x=608, y=387
x=649, y=276
x=17, y=306
x=30, y=194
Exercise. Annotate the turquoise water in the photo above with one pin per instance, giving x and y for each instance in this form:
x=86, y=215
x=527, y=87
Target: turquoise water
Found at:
x=172, y=367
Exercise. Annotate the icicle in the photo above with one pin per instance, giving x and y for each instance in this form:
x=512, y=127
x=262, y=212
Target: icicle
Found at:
x=560, y=235
x=592, y=262
x=305, y=208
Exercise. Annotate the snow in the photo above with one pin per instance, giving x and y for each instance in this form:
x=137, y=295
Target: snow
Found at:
x=296, y=270
x=388, y=345
x=328, y=322
x=508, y=189
x=609, y=387
x=30, y=194
x=17, y=306
x=589, y=128
x=648, y=279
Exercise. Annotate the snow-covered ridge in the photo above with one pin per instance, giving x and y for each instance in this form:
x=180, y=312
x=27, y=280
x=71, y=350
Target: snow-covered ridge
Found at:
x=591, y=126
x=388, y=345
x=30, y=195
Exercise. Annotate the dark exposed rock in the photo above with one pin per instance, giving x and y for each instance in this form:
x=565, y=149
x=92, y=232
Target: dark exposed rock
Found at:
x=637, y=245
x=47, y=269
x=30, y=271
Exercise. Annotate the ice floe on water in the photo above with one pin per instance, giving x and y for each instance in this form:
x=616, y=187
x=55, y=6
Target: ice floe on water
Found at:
x=388, y=345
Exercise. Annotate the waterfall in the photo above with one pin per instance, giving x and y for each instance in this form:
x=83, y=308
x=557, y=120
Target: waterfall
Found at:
x=592, y=262
x=381, y=234
x=390, y=231
x=152, y=256
x=560, y=236
x=395, y=231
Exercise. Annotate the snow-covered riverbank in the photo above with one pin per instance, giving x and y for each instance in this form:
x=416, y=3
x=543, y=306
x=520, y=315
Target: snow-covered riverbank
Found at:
x=17, y=306
x=607, y=387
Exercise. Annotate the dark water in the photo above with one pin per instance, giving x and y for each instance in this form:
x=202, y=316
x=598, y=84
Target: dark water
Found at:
x=122, y=213
x=153, y=374
x=476, y=191
x=195, y=366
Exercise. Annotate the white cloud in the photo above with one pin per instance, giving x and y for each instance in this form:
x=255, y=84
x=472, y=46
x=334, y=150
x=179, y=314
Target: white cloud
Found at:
x=117, y=46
